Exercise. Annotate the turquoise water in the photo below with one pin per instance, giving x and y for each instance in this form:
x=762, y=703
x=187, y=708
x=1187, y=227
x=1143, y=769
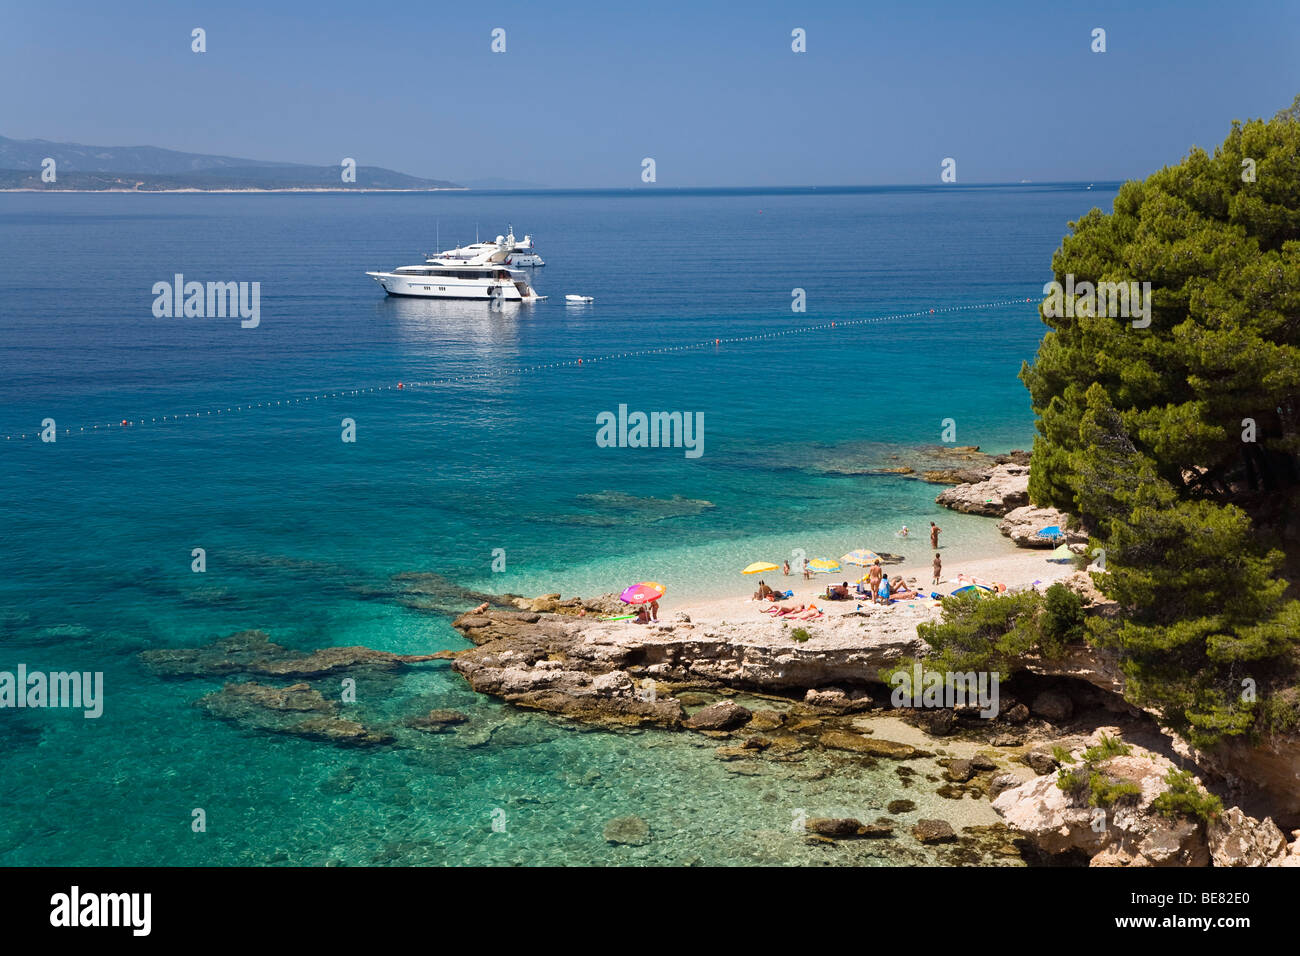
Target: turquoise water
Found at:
x=303, y=532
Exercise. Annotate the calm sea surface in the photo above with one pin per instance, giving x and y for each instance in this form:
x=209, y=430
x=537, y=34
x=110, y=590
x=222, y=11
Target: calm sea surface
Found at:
x=303, y=532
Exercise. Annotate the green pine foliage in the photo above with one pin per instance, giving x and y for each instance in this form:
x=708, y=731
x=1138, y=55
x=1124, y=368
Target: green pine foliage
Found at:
x=1185, y=799
x=981, y=633
x=1143, y=432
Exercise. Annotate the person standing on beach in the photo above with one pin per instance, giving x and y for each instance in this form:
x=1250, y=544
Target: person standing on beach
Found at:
x=938, y=568
x=934, y=534
x=807, y=571
x=654, y=610
x=786, y=571
x=873, y=577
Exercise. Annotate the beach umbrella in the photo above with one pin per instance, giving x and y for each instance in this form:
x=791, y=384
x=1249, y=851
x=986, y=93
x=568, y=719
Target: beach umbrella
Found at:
x=979, y=589
x=861, y=556
x=1052, y=531
x=1062, y=553
x=760, y=567
x=643, y=593
x=823, y=565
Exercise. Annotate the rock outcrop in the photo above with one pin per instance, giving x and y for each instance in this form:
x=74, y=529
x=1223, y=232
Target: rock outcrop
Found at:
x=1238, y=840
x=1022, y=524
x=1003, y=490
x=1132, y=832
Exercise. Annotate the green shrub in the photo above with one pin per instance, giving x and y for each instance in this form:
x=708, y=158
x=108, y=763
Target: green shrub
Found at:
x=1185, y=799
x=1063, y=616
x=1106, y=791
x=1074, y=782
x=800, y=634
x=1107, y=748
x=1061, y=754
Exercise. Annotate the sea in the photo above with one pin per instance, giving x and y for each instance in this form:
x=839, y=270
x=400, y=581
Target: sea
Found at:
x=819, y=336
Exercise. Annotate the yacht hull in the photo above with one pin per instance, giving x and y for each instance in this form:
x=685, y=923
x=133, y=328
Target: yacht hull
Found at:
x=424, y=287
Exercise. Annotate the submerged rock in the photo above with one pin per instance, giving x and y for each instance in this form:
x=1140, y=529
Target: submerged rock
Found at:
x=436, y=721
x=253, y=653
x=628, y=831
x=934, y=831
x=847, y=828
x=844, y=740
x=281, y=710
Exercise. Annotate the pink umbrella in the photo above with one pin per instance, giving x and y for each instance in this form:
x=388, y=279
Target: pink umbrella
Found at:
x=643, y=593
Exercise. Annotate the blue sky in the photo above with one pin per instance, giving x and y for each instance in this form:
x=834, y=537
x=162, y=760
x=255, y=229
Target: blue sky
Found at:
x=711, y=91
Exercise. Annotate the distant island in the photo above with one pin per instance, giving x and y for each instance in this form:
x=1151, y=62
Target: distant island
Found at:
x=79, y=168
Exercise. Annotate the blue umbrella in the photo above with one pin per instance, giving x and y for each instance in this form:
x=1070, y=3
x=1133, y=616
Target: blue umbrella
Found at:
x=1053, y=531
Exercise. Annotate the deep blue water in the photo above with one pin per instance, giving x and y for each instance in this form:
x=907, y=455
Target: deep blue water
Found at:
x=96, y=529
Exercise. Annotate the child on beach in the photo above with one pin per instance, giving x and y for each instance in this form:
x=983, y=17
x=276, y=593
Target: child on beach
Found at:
x=938, y=567
x=786, y=569
x=807, y=571
x=884, y=591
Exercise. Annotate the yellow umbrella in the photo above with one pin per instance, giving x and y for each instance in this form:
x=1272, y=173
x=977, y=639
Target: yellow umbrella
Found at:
x=760, y=567
x=861, y=556
x=823, y=565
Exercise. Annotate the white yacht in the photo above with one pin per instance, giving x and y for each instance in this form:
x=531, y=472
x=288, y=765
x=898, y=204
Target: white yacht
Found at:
x=480, y=271
x=523, y=253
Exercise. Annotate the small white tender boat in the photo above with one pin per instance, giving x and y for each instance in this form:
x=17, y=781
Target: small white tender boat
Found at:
x=578, y=298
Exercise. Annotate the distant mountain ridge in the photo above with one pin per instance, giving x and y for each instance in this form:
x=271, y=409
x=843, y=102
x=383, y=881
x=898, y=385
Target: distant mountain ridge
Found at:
x=152, y=168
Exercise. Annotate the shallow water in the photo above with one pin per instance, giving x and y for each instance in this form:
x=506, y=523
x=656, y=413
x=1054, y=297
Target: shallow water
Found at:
x=303, y=532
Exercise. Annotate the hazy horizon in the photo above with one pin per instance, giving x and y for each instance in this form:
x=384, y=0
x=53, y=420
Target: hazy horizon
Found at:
x=582, y=94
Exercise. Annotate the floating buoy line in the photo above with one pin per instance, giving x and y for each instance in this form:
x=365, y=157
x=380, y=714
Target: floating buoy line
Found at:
x=517, y=370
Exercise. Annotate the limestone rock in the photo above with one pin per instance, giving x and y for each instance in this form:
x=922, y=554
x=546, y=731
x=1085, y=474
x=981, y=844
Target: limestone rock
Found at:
x=844, y=740
x=724, y=715
x=1002, y=783
x=1040, y=761
x=1239, y=840
x=1022, y=524
x=959, y=771
x=1005, y=489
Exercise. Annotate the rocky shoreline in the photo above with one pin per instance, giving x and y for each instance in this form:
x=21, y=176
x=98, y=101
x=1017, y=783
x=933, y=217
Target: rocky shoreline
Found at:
x=760, y=692
x=826, y=698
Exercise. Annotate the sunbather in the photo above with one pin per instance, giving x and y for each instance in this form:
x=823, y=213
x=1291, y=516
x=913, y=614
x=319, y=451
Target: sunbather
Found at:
x=779, y=609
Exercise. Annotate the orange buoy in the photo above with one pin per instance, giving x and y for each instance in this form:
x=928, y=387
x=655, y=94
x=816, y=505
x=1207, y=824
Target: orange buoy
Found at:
x=932, y=311
x=399, y=384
